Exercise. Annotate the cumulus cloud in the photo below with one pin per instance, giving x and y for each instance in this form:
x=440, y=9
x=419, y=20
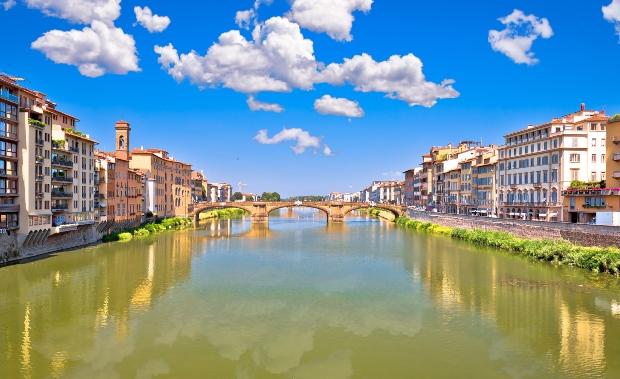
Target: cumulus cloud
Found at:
x=246, y=18
x=303, y=140
x=256, y=105
x=95, y=50
x=328, y=105
x=278, y=59
x=8, y=4
x=611, y=13
x=327, y=151
x=151, y=22
x=399, y=77
x=334, y=17
x=520, y=32
x=79, y=11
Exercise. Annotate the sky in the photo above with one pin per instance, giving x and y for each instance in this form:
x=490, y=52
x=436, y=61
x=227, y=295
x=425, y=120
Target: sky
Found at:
x=313, y=96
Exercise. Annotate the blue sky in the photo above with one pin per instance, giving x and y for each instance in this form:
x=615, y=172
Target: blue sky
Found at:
x=214, y=129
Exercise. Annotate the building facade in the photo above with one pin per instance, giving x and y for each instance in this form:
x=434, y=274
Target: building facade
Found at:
x=597, y=202
x=538, y=163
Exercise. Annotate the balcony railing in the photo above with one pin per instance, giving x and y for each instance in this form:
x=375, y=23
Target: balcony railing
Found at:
x=9, y=96
x=5, y=172
x=9, y=208
x=8, y=154
x=38, y=141
x=36, y=123
x=61, y=194
x=9, y=135
x=74, y=149
x=12, y=225
x=64, y=179
x=60, y=207
x=62, y=162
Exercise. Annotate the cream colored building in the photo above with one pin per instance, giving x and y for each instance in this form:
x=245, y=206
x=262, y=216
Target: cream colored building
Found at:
x=539, y=162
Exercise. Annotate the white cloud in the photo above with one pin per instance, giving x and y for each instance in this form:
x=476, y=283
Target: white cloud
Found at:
x=327, y=151
x=520, y=32
x=95, y=50
x=303, y=140
x=328, y=105
x=334, y=17
x=244, y=18
x=79, y=11
x=256, y=105
x=151, y=22
x=8, y=4
x=400, y=77
x=278, y=59
x=611, y=13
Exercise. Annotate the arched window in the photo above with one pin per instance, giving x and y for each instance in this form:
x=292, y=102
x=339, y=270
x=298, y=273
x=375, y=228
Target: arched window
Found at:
x=121, y=142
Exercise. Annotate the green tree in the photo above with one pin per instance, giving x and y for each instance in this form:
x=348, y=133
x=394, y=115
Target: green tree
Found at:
x=270, y=196
x=237, y=196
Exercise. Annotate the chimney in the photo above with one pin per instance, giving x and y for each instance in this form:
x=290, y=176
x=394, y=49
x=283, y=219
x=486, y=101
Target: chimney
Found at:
x=583, y=107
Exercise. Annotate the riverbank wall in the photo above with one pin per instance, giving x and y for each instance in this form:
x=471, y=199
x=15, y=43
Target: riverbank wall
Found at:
x=584, y=235
x=45, y=241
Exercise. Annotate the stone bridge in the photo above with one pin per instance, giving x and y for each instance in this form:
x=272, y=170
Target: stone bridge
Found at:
x=259, y=211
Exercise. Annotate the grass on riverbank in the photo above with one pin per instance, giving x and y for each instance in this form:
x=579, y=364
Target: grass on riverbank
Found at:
x=173, y=223
x=598, y=259
x=223, y=213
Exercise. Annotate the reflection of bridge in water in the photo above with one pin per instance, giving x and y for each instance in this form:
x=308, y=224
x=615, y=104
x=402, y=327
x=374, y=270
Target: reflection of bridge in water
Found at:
x=259, y=211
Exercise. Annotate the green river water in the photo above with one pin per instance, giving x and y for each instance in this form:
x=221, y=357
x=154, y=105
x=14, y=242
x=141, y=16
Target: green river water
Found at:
x=303, y=299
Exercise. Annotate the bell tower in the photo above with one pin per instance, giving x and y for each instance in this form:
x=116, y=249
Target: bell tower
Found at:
x=122, y=139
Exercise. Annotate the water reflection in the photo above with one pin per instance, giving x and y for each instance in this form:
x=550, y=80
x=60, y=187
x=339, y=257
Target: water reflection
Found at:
x=301, y=298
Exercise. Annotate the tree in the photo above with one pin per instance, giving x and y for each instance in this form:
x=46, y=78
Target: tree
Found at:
x=270, y=196
x=237, y=196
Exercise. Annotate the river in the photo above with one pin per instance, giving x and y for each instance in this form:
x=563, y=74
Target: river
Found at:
x=303, y=299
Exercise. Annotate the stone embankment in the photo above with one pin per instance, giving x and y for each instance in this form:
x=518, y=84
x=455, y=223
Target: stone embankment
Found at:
x=585, y=235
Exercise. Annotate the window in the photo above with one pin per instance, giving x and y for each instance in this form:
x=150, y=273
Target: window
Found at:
x=593, y=142
x=574, y=174
x=593, y=176
x=603, y=142
x=554, y=175
x=592, y=126
x=575, y=158
x=593, y=158
x=603, y=176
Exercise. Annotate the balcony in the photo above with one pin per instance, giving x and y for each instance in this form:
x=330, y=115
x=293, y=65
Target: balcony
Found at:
x=62, y=179
x=61, y=194
x=62, y=162
x=8, y=154
x=36, y=123
x=38, y=141
x=11, y=225
x=74, y=149
x=9, y=208
x=9, y=135
x=8, y=192
x=9, y=96
x=59, y=207
x=39, y=158
x=4, y=172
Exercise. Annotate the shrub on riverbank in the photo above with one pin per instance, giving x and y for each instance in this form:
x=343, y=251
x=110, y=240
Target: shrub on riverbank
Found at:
x=223, y=213
x=599, y=259
x=173, y=223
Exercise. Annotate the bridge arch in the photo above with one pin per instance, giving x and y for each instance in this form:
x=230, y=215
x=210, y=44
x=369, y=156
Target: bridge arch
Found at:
x=216, y=206
x=395, y=210
x=325, y=210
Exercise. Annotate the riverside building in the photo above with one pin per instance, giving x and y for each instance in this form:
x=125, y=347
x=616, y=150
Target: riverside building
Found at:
x=598, y=202
x=537, y=163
